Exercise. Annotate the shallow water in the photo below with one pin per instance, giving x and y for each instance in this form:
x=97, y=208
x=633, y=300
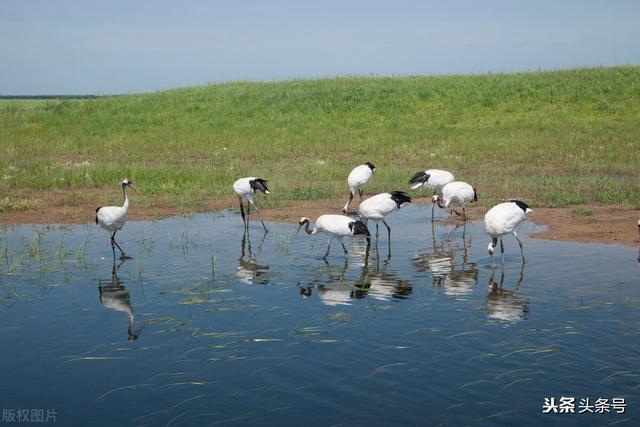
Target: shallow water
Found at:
x=203, y=328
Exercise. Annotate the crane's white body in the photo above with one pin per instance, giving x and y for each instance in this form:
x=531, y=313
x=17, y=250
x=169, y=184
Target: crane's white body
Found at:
x=359, y=177
x=457, y=194
x=113, y=218
x=336, y=227
x=357, y=180
x=377, y=207
x=437, y=179
x=245, y=188
x=503, y=219
x=242, y=188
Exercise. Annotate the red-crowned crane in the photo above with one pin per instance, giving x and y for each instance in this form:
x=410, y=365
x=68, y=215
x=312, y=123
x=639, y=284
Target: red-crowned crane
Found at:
x=434, y=179
x=502, y=219
x=377, y=207
x=336, y=227
x=245, y=188
x=456, y=194
x=113, y=218
x=357, y=179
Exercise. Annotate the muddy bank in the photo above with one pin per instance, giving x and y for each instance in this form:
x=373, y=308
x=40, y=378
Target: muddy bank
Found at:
x=585, y=223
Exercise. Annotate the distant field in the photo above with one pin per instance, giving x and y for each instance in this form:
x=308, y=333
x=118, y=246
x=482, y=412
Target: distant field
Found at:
x=552, y=138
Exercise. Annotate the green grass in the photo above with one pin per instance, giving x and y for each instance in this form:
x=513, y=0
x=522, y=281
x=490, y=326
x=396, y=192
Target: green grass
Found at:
x=582, y=212
x=552, y=138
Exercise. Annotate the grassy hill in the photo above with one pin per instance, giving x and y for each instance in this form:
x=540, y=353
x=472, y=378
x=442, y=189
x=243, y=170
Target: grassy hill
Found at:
x=552, y=138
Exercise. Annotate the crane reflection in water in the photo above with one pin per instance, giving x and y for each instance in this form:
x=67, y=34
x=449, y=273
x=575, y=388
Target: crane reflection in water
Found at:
x=377, y=280
x=505, y=305
x=455, y=278
x=249, y=271
x=115, y=296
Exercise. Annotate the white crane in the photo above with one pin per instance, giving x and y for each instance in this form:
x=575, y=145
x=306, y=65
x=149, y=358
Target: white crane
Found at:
x=337, y=227
x=245, y=188
x=377, y=207
x=434, y=179
x=113, y=218
x=502, y=219
x=456, y=194
x=357, y=179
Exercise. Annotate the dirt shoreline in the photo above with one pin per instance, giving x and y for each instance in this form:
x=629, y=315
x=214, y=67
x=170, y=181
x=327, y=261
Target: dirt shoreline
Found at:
x=612, y=224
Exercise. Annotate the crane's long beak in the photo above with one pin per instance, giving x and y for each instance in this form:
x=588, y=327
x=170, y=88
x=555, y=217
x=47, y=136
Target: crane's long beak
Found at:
x=299, y=227
x=133, y=186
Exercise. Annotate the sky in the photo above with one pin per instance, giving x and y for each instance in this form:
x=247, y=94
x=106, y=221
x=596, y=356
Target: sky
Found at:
x=122, y=46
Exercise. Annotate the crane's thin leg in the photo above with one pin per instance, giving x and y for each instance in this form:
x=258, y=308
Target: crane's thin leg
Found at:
x=259, y=217
x=433, y=210
x=113, y=249
x=494, y=241
x=361, y=192
x=521, y=277
x=344, y=248
x=502, y=251
x=244, y=220
x=244, y=243
x=464, y=232
x=464, y=214
x=519, y=243
x=328, y=248
x=366, y=256
x=377, y=232
x=388, y=228
x=388, y=239
x=113, y=242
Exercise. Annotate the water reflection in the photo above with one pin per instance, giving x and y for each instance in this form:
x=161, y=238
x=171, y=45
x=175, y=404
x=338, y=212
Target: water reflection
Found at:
x=504, y=305
x=335, y=290
x=114, y=296
x=248, y=269
x=381, y=283
x=218, y=351
x=457, y=279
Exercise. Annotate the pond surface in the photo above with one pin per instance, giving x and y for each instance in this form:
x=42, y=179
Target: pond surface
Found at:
x=203, y=327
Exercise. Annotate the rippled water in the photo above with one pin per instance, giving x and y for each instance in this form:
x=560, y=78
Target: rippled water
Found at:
x=203, y=327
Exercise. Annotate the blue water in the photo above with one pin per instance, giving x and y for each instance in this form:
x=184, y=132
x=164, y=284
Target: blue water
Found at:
x=266, y=332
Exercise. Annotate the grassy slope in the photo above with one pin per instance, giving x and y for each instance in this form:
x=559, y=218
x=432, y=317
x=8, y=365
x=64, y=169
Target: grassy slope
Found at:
x=551, y=138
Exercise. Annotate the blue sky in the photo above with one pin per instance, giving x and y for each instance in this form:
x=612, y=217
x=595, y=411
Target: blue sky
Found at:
x=108, y=47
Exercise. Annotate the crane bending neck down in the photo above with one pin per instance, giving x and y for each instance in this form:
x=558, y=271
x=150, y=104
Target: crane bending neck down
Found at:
x=336, y=227
x=307, y=226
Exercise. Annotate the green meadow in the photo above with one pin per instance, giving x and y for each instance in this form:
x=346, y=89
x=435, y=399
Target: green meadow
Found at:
x=550, y=138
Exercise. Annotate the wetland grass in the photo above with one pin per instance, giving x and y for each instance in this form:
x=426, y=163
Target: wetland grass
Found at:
x=554, y=138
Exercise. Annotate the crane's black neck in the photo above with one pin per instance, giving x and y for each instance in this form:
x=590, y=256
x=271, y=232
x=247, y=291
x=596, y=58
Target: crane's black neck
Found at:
x=307, y=227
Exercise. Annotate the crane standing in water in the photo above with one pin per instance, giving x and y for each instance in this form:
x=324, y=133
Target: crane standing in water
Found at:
x=113, y=218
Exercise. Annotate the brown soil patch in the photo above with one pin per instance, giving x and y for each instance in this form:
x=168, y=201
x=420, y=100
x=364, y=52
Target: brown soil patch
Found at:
x=613, y=224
